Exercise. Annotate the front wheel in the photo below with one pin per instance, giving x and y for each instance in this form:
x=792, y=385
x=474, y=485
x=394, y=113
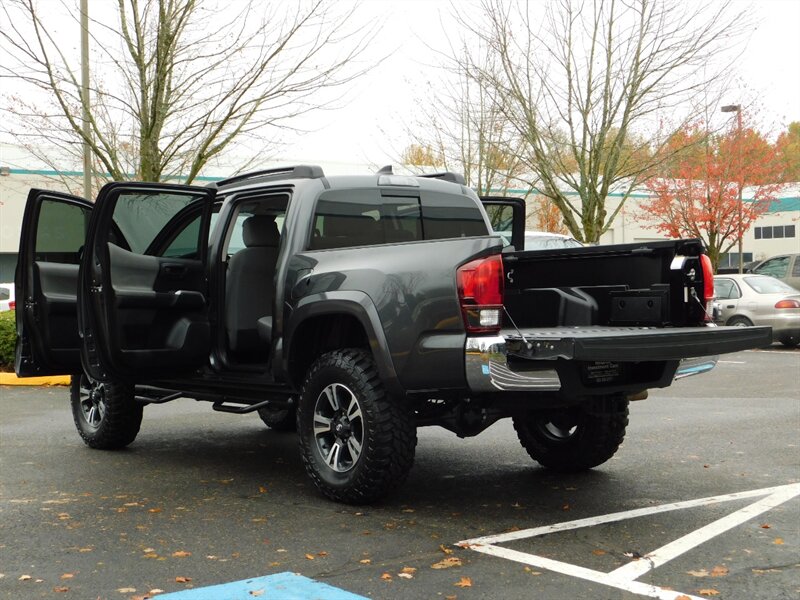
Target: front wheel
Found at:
x=574, y=439
x=106, y=414
x=357, y=443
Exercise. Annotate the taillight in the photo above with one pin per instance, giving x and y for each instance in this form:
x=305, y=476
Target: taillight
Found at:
x=12, y=305
x=480, y=293
x=708, y=278
x=788, y=303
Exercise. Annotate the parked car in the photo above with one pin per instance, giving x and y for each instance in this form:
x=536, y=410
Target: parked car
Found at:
x=7, y=297
x=785, y=267
x=747, y=300
x=545, y=240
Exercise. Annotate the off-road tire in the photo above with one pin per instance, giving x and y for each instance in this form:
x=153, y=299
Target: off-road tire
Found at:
x=279, y=419
x=110, y=419
x=577, y=438
x=383, y=427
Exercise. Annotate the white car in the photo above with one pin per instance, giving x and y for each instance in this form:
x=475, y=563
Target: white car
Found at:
x=7, y=297
x=544, y=240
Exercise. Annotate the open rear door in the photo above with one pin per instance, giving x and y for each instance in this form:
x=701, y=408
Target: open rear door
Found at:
x=53, y=234
x=507, y=217
x=143, y=303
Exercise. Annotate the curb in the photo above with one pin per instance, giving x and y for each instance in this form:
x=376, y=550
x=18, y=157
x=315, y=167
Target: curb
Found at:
x=12, y=379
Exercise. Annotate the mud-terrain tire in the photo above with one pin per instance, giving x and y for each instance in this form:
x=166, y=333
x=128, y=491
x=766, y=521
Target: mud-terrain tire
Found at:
x=279, y=419
x=357, y=443
x=106, y=414
x=577, y=438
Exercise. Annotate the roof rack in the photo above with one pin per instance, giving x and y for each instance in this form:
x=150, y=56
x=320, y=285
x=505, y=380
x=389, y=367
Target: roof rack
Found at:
x=446, y=176
x=293, y=172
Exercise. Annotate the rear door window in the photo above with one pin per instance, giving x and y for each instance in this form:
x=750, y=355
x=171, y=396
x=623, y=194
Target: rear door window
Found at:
x=776, y=267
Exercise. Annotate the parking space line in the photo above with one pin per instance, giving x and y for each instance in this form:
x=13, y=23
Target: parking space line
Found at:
x=286, y=586
x=624, y=578
x=627, y=514
x=654, y=559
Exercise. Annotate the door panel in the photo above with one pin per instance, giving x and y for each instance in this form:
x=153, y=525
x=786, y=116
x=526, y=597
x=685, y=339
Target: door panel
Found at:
x=53, y=233
x=144, y=303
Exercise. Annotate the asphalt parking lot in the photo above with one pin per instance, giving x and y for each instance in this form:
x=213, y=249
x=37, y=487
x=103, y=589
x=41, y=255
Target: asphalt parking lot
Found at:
x=205, y=498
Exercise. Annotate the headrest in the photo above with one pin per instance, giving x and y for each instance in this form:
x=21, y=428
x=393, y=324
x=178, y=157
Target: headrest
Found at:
x=260, y=230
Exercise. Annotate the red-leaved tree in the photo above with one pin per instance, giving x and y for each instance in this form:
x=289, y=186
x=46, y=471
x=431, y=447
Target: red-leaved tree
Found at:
x=696, y=193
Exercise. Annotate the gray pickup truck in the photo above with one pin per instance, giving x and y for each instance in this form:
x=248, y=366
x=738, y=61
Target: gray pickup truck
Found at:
x=354, y=310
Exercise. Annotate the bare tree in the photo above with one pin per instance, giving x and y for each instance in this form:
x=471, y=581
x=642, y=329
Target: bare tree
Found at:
x=595, y=87
x=463, y=122
x=175, y=82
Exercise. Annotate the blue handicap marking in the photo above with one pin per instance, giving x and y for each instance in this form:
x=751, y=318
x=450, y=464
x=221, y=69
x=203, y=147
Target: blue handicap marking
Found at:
x=286, y=586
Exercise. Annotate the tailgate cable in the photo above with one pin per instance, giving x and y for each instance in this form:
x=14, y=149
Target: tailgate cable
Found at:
x=528, y=345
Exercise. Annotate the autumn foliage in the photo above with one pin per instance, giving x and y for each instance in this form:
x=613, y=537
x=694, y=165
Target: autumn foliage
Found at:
x=696, y=192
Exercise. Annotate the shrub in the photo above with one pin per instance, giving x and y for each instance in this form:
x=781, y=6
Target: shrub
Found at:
x=8, y=340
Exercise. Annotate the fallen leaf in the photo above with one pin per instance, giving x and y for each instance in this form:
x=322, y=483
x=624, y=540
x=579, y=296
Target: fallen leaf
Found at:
x=778, y=541
x=61, y=588
x=259, y=520
x=408, y=510
x=719, y=571
x=154, y=510
x=464, y=582
x=453, y=597
x=762, y=571
x=126, y=590
x=155, y=591
x=386, y=577
x=310, y=556
x=85, y=549
x=446, y=563
x=149, y=550
x=598, y=552
x=181, y=554
x=445, y=549
x=150, y=555
x=67, y=576
x=765, y=526
x=405, y=575
x=708, y=592
x=262, y=489
x=181, y=579
x=683, y=597
x=131, y=504
x=274, y=564
x=565, y=507
x=409, y=570
x=698, y=573
x=211, y=557
x=322, y=553
x=24, y=578
x=365, y=561
x=256, y=592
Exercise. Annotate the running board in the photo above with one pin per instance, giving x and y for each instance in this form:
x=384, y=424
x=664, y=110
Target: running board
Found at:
x=224, y=406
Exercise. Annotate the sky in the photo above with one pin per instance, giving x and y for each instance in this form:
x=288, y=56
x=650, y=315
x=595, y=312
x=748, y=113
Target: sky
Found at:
x=370, y=125
x=370, y=128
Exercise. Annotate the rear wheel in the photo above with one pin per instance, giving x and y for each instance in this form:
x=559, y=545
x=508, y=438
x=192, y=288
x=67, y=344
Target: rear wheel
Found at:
x=577, y=438
x=106, y=414
x=791, y=341
x=356, y=442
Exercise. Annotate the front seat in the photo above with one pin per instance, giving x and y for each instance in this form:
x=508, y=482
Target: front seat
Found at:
x=250, y=286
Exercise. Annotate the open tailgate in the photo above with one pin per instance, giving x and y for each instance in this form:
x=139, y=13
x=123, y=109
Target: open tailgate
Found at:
x=632, y=344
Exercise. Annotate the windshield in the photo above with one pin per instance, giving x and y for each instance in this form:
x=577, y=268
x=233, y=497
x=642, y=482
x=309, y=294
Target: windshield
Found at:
x=768, y=285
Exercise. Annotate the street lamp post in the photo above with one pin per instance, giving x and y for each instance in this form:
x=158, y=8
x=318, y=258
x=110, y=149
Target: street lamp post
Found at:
x=737, y=108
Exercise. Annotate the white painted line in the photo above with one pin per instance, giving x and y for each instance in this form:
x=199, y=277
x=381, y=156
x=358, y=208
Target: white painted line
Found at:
x=654, y=559
x=635, y=587
x=624, y=578
x=628, y=514
x=732, y=362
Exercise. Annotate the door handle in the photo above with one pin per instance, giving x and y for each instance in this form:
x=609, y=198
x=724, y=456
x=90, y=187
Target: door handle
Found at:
x=171, y=270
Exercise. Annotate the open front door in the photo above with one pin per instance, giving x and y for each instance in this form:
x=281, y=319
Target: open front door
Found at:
x=507, y=216
x=143, y=303
x=53, y=234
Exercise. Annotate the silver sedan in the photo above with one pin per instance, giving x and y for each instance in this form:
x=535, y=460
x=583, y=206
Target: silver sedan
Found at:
x=747, y=300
